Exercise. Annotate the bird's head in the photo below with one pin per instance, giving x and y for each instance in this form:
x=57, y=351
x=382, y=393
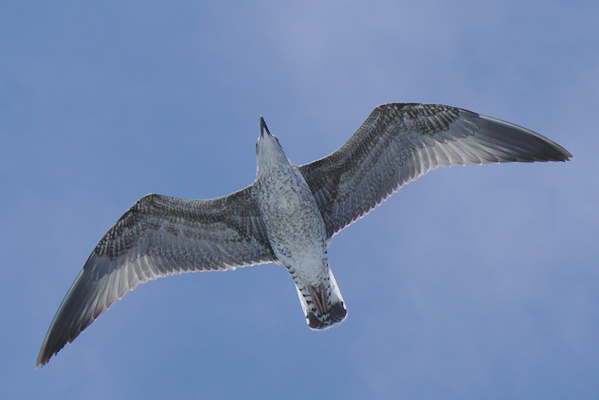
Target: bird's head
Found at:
x=268, y=149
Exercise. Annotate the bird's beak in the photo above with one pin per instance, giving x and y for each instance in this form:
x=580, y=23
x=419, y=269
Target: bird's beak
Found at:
x=263, y=127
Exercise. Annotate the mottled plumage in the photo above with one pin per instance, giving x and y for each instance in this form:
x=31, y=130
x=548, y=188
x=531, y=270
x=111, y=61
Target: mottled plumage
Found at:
x=290, y=213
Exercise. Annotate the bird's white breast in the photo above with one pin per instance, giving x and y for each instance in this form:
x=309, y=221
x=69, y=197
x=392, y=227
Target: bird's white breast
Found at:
x=293, y=221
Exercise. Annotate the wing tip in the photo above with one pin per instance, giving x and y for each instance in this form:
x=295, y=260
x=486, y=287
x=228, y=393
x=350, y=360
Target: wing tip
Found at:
x=42, y=360
x=557, y=154
x=567, y=155
x=45, y=355
x=545, y=148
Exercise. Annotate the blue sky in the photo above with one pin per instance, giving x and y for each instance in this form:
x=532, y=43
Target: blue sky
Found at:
x=475, y=282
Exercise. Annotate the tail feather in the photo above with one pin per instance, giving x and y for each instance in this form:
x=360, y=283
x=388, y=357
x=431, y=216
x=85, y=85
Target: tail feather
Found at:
x=323, y=305
x=335, y=314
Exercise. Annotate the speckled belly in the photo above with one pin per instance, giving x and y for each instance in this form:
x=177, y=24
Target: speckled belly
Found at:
x=294, y=226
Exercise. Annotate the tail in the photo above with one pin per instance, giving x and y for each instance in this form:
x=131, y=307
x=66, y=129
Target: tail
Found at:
x=323, y=304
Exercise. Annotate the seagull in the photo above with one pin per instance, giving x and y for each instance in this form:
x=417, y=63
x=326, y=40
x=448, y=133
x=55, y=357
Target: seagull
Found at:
x=290, y=213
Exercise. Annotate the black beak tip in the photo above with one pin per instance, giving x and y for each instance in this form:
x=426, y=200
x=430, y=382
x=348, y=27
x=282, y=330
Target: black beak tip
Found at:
x=263, y=126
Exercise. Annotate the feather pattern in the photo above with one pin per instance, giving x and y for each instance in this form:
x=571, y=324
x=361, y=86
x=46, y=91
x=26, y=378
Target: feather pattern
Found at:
x=159, y=236
x=400, y=142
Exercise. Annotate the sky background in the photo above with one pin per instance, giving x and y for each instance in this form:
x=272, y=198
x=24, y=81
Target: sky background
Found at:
x=474, y=282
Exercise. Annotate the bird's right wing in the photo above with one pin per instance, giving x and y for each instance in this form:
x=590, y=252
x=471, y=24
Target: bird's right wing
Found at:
x=400, y=142
x=159, y=236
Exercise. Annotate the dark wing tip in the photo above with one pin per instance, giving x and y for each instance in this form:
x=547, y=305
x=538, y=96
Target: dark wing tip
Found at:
x=74, y=314
x=46, y=353
x=53, y=343
x=566, y=155
x=524, y=144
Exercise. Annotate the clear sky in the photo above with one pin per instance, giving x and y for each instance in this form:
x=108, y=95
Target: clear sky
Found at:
x=473, y=282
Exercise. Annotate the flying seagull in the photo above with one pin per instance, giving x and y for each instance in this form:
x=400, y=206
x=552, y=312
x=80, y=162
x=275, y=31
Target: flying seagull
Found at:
x=289, y=214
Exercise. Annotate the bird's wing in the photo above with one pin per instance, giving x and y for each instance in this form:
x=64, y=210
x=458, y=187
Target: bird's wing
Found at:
x=400, y=142
x=159, y=236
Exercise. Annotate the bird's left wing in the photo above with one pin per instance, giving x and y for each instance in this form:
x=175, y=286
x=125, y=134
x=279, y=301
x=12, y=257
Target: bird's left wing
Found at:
x=400, y=142
x=159, y=236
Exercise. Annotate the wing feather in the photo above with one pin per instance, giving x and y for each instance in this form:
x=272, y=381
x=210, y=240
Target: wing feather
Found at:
x=400, y=142
x=159, y=236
